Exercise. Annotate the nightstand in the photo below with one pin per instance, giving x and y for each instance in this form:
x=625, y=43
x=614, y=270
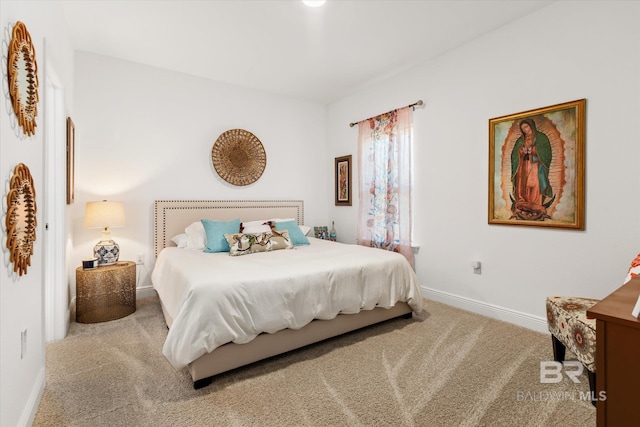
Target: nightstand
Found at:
x=105, y=293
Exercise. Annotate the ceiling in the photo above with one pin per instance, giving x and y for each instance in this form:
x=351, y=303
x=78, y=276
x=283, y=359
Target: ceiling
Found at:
x=284, y=47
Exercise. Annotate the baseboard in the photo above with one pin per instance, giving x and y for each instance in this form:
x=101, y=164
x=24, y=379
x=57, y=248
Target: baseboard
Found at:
x=525, y=320
x=72, y=312
x=69, y=313
x=32, y=404
x=145, y=292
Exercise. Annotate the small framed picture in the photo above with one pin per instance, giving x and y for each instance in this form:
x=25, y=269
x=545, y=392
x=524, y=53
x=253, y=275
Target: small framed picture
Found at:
x=343, y=181
x=321, y=232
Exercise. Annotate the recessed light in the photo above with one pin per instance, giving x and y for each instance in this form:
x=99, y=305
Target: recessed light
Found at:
x=314, y=3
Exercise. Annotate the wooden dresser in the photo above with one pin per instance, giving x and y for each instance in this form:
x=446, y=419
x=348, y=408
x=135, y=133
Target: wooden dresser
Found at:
x=617, y=357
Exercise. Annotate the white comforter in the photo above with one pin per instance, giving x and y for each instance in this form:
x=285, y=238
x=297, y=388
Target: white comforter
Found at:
x=215, y=298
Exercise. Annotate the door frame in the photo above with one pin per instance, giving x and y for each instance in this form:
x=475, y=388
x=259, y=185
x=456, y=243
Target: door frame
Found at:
x=55, y=281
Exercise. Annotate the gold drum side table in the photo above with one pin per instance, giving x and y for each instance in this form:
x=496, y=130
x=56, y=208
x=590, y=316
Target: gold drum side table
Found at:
x=105, y=293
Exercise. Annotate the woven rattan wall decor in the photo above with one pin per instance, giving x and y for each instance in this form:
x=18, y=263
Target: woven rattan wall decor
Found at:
x=23, y=78
x=238, y=157
x=21, y=218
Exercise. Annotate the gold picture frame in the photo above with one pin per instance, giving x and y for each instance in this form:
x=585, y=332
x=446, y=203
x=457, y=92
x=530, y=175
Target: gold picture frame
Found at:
x=71, y=161
x=343, y=180
x=536, y=167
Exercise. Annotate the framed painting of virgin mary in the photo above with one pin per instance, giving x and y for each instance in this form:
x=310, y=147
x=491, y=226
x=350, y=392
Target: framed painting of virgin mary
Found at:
x=536, y=167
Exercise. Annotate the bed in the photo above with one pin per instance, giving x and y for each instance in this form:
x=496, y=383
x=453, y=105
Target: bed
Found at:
x=224, y=312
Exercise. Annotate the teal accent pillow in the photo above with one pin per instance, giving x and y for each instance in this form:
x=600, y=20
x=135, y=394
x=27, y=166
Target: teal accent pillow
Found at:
x=295, y=234
x=215, y=231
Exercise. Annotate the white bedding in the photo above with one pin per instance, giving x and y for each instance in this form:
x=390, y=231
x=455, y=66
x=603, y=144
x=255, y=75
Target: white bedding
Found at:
x=215, y=298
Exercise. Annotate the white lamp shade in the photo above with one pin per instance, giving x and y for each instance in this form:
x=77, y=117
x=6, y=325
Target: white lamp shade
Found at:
x=104, y=214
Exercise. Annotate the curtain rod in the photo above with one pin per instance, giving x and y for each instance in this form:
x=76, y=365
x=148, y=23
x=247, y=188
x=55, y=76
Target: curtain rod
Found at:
x=418, y=102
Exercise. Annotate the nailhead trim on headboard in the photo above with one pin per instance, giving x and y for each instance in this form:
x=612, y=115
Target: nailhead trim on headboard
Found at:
x=247, y=210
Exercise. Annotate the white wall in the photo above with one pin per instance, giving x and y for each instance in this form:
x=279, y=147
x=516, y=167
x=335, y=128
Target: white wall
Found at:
x=564, y=52
x=22, y=297
x=145, y=134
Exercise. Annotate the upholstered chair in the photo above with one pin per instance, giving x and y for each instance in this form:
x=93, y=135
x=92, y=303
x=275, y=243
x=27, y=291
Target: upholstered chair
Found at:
x=570, y=328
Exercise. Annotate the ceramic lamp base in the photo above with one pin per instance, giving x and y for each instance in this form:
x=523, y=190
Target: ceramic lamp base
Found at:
x=107, y=252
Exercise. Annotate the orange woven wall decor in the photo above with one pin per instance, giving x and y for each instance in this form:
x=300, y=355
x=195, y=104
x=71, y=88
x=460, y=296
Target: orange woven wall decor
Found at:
x=21, y=218
x=22, y=71
x=238, y=157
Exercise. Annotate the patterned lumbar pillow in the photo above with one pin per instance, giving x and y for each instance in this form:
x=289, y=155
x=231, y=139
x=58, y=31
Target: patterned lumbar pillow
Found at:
x=280, y=240
x=249, y=243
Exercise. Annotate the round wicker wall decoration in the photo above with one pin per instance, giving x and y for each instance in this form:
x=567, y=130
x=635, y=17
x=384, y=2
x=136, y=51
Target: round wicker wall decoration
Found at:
x=238, y=157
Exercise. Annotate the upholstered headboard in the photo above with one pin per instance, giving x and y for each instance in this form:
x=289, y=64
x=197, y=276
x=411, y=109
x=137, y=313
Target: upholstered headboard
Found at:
x=171, y=217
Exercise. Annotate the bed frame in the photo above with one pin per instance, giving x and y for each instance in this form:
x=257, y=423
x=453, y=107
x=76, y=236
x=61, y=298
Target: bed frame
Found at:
x=172, y=216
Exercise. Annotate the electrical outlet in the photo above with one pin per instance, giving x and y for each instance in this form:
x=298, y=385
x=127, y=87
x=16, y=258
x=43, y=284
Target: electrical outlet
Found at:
x=477, y=267
x=140, y=259
x=23, y=343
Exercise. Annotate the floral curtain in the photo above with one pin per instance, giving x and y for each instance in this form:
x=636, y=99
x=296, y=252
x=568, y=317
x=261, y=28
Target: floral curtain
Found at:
x=384, y=158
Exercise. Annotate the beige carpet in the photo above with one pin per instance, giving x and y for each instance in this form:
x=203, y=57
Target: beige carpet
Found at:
x=448, y=367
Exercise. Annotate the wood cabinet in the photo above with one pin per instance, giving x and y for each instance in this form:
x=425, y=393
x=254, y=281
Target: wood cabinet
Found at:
x=617, y=356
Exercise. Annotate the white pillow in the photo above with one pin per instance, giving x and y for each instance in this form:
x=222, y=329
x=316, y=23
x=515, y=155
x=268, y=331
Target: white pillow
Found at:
x=196, y=237
x=180, y=240
x=256, y=227
x=259, y=226
x=305, y=229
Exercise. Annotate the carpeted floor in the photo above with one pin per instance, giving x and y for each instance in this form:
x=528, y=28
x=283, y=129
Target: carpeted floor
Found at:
x=446, y=367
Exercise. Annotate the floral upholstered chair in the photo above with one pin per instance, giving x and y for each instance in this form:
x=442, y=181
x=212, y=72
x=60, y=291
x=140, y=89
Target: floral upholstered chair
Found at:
x=570, y=328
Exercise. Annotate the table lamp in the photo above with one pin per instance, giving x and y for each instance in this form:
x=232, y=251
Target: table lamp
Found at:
x=104, y=215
